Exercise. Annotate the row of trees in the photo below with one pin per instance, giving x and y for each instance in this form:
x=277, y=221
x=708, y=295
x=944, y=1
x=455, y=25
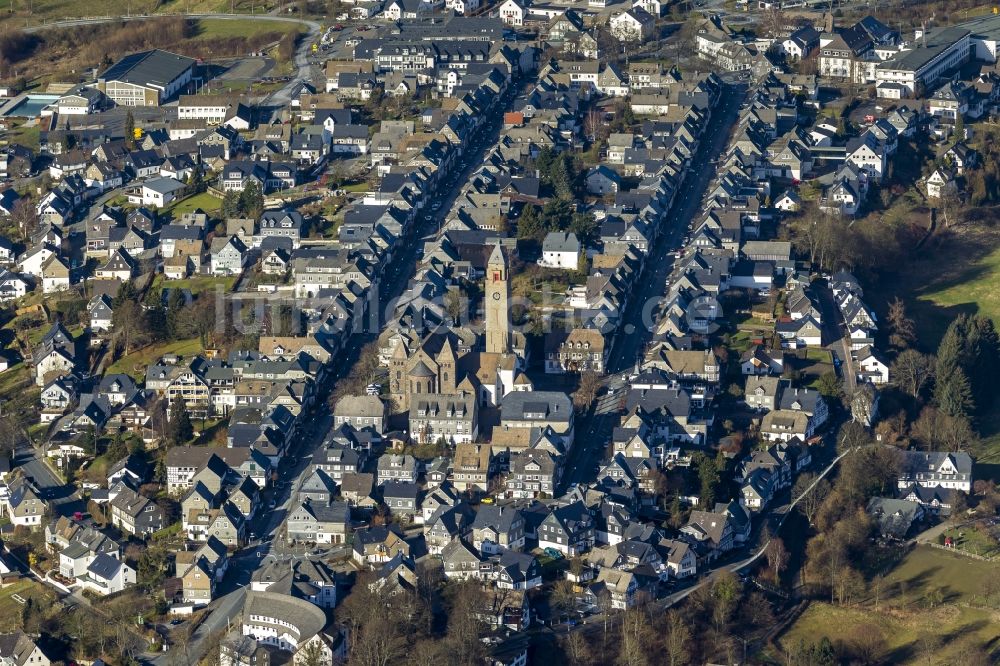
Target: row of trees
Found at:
x=558, y=173
x=136, y=324
x=432, y=623
x=839, y=554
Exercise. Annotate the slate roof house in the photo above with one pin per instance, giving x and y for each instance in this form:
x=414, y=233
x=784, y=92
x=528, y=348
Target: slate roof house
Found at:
x=18, y=649
x=712, y=530
x=497, y=529
x=948, y=470
x=568, y=529
x=24, y=504
x=134, y=514
x=107, y=575
x=320, y=522
x=896, y=518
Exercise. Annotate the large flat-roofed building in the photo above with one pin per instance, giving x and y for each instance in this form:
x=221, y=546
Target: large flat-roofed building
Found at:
x=933, y=55
x=148, y=78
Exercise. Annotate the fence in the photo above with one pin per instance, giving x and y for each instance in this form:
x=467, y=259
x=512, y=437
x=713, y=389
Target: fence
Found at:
x=965, y=553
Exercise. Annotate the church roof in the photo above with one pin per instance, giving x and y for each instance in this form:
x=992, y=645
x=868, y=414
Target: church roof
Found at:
x=421, y=370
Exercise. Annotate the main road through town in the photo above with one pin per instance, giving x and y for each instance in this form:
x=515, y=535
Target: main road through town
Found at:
x=267, y=525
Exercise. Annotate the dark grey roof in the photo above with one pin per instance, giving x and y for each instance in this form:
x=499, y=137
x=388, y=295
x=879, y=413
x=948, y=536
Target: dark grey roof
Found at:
x=104, y=567
x=540, y=405
x=499, y=517
x=400, y=490
x=895, y=517
x=305, y=619
x=156, y=67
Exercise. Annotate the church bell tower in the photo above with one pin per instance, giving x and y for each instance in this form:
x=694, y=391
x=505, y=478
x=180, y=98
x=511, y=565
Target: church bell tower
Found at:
x=497, y=308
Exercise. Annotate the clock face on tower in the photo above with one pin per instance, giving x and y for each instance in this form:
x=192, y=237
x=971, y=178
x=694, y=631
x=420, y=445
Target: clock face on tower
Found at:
x=496, y=295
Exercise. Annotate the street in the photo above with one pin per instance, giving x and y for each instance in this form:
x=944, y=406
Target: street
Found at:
x=629, y=343
x=836, y=336
x=65, y=499
x=266, y=525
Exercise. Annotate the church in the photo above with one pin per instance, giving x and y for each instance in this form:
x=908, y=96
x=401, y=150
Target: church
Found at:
x=442, y=381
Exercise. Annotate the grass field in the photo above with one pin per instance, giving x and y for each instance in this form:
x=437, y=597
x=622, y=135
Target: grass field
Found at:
x=973, y=540
x=953, y=273
x=195, y=285
x=51, y=10
x=925, y=600
x=10, y=608
x=204, y=201
x=18, y=377
x=223, y=28
x=974, y=288
x=28, y=136
x=135, y=364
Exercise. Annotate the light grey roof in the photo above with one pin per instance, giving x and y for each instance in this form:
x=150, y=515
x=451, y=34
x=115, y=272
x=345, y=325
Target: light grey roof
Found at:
x=164, y=185
x=560, y=241
x=359, y=405
x=305, y=619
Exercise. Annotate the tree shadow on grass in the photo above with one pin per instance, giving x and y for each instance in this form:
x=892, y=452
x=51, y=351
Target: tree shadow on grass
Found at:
x=963, y=631
x=915, y=583
x=901, y=654
x=949, y=260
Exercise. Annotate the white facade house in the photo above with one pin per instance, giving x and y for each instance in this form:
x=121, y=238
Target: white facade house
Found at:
x=871, y=367
x=159, y=192
x=632, y=25
x=941, y=183
x=281, y=620
x=560, y=249
x=512, y=13
x=951, y=470
x=12, y=286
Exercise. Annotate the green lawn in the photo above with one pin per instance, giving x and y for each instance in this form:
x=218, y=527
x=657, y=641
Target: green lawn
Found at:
x=926, y=568
x=224, y=28
x=195, y=285
x=817, y=355
x=16, y=378
x=974, y=287
x=951, y=274
x=26, y=136
x=206, y=202
x=740, y=342
x=972, y=540
x=929, y=593
x=135, y=364
x=954, y=626
x=51, y=10
x=10, y=608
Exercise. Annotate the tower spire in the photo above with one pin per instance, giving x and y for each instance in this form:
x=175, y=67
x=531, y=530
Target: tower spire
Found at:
x=497, y=296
